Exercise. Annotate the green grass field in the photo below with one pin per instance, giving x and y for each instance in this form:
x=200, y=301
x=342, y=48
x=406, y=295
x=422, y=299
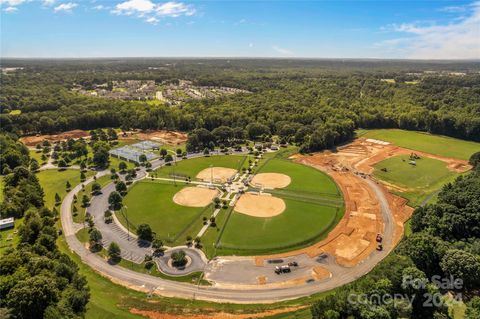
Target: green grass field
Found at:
x=53, y=181
x=192, y=167
x=300, y=224
x=9, y=237
x=38, y=156
x=152, y=203
x=434, y=144
x=303, y=178
x=419, y=181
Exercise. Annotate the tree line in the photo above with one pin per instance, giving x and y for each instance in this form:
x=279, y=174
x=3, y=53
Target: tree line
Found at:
x=37, y=280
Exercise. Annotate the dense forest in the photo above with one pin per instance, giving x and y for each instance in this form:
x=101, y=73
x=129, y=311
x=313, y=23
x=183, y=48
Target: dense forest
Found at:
x=315, y=103
x=38, y=281
x=441, y=255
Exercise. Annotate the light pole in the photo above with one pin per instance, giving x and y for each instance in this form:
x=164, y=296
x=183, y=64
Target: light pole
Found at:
x=174, y=164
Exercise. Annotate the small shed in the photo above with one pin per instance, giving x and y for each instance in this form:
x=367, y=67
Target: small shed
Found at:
x=7, y=223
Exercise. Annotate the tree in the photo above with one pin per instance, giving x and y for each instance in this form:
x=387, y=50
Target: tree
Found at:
x=100, y=154
x=475, y=160
x=95, y=239
x=206, y=151
x=62, y=163
x=462, y=265
x=68, y=186
x=121, y=187
x=157, y=245
x=168, y=158
x=144, y=232
x=256, y=130
x=142, y=158
x=179, y=258
x=30, y=297
x=115, y=200
x=163, y=152
x=58, y=199
x=122, y=166
x=34, y=165
x=178, y=151
x=96, y=188
x=85, y=200
x=83, y=177
x=114, y=251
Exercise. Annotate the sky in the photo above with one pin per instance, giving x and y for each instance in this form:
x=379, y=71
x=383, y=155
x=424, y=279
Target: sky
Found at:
x=215, y=28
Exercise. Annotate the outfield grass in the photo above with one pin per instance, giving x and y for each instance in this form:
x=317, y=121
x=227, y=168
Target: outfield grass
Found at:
x=300, y=224
x=152, y=203
x=192, y=167
x=53, y=181
x=417, y=181
x=434, y=144
x=303, y=178
x=79, y=217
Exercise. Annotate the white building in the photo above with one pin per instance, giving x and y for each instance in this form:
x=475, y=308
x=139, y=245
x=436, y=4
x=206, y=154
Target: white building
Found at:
x=7, y=223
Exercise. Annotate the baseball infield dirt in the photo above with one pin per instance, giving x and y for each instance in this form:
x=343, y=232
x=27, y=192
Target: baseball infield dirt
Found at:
x=221, y=174
x=271, y=180
x=259, y=205
x=195, y=196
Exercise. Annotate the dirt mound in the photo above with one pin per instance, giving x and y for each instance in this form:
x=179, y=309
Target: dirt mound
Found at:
x=272, y=180
x=260, y=205
x=195, y=196
x=220, y=174
x=34, y=140
x=164, y=137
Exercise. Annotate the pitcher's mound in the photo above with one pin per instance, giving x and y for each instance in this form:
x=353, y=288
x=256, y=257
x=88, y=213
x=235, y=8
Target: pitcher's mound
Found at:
x=195, y=196
x=260, y=205
x=220, y=174
x=271, y=180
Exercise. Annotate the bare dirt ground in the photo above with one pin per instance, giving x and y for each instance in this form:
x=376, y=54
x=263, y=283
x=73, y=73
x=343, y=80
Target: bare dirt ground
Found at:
x=34, y=140
x=259, y=205
x=195, y=196
x=172, y=138
x=221, y=174
x=354, y=238
x=213, y=314
x=272, y=180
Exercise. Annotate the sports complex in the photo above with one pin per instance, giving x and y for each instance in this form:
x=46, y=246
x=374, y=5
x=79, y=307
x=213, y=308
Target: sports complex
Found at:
x=269, y=224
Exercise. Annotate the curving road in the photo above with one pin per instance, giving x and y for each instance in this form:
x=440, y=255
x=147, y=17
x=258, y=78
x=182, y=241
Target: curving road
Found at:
x=144, y=282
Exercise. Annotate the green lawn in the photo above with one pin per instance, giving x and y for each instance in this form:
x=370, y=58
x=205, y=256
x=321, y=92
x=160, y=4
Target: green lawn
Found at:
x=301, y=223
x=434, y=144
x=80, y=215
x=152, y=203
x=418, y=181
x=9, y=237
x=53, y=181
x=304, y=179
x=38, y=156
x=192, y=167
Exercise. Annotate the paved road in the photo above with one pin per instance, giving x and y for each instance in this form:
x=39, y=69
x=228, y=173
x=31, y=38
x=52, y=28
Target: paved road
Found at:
x=164, y=287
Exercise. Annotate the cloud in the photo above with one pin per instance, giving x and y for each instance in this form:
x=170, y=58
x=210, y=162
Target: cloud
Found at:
x=10, y=9
x=99, y=7
x=174, y=9
x=65, y=7
x=282, y=50
x=152, y=20
x=134, y=7
x=250, y=45
x=12, y=3
x=453, y=9
x=458, y=39
x=48, y=2
x=155, y=11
